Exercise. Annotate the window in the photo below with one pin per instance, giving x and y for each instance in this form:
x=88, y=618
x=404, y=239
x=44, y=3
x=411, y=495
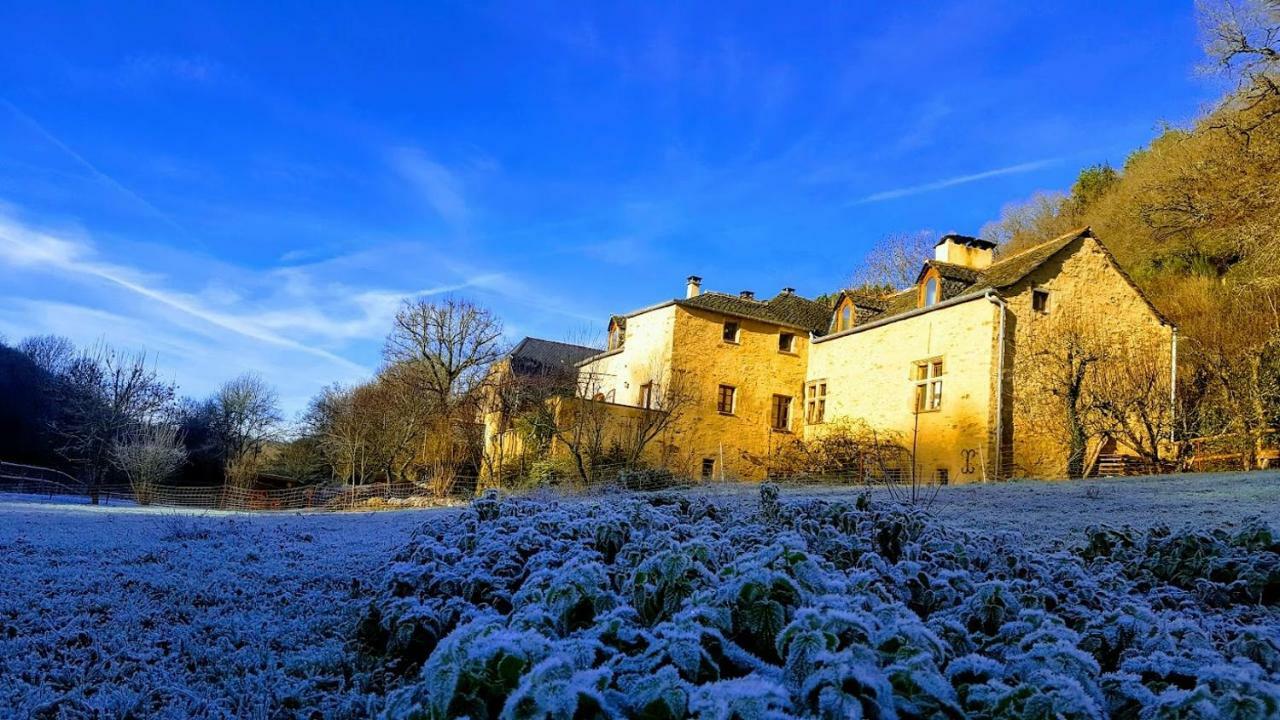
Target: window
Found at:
x=1040, y=300
x=646, y=395
x=931, y=292
x=927, y=377
x=616, y=337
x=708, y=468
x=845, y=317
x=943, y=476
x=786, y=342
x=730, y=331
x=816, y=402
x=781, y=413
x=724, y=402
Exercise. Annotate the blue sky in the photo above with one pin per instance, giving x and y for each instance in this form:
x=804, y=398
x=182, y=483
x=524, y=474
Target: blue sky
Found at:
x=257, y=188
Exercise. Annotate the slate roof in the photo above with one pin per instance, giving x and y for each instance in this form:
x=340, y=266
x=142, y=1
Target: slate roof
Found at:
x=786, y=309
x=958, y=280
x=534, y=356
x=1010, y=270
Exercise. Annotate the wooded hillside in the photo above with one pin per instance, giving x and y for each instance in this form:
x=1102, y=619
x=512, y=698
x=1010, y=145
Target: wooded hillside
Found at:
x=1194, y=217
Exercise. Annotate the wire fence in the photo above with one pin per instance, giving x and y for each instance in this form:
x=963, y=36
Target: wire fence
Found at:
x=430, y=493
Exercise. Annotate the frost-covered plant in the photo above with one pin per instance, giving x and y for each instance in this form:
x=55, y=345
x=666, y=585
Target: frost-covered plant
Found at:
x=667, y=606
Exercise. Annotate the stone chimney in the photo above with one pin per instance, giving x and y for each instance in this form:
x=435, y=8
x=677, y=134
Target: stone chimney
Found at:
x=747, y=295
x=971, y=252
x=694, y=287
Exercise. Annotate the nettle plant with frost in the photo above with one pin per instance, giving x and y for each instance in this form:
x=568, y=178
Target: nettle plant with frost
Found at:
x=670, y=606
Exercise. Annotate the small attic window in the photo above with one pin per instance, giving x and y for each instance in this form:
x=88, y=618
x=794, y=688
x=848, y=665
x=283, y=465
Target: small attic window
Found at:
x=1040, y=300
x=845, y=316
x=730, y=333
x=617, y=336
x=930, y=288
x=931, y=292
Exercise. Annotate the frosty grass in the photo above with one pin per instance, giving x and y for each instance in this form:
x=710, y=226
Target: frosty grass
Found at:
x=748, y=604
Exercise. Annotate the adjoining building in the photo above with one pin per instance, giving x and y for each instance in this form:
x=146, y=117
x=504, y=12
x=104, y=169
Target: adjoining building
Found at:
x=955, y=367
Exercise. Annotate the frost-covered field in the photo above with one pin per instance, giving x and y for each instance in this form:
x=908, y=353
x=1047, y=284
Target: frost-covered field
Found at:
x=132, y=612
x=1046, y=512
x=661, y=606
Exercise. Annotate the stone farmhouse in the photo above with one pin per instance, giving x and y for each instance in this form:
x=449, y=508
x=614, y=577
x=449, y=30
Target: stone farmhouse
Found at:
x=949, y=367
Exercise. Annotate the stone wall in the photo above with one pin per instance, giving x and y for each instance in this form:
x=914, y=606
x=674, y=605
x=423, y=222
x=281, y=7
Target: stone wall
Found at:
x=869, y=378
x=737, y=443
x=1087, y=290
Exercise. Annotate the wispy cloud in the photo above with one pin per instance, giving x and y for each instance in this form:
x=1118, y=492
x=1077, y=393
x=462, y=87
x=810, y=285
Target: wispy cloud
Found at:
x=302, y=325
x=93, y=170
x=953, y=181
x=439, y=186
x=24, y=246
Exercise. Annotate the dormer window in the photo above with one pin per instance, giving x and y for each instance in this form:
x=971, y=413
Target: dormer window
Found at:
x=930, y=288
x=845, y=316
x=617, y=335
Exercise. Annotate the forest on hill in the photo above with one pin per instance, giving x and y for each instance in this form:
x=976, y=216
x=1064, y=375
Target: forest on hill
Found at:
x=1194, y=218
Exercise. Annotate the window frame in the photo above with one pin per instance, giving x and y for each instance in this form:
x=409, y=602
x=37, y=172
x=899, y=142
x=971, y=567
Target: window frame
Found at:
x=790, y=347
x=846, y=315
x=927, y=388
x=617, y=336
x=737, y=332
x=646, y=395
x=780, y=421
x=733, y=399
x=1040, y=300
x=815, y=399
x=932, y=276
x=708, y=468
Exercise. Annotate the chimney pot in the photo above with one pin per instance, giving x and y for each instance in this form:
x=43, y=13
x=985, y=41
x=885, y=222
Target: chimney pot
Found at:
x=970, y=252
x=747, y=295
x=788, y=291
x=693, y=287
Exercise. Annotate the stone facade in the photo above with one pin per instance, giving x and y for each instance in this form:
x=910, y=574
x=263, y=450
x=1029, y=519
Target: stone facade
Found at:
x=671, y=340
x=870, y=375
x=944, y=367
x=1084, y=287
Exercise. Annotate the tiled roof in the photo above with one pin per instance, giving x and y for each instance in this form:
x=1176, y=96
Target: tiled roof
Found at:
x=532, y=356
x=958, y=279
x=1010, y=270
x=787, y=309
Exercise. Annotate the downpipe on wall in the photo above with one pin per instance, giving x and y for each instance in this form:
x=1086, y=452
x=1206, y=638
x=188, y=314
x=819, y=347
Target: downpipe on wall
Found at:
x=999, y=302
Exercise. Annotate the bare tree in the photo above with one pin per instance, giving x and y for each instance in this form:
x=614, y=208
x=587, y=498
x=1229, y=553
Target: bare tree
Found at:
x=580, y=423
x=1242, y=43
x=894, y=262
x=442, y=352
x=148, y=456
x=1022, y=224
x=670, y=396
x=1132, y=395
x=51, y=353
x=106, y=394
x=334, y=419
x=246, y=414
x=1060, y=356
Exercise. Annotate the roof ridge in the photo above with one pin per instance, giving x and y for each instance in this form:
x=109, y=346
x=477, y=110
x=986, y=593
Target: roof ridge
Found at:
x=1078, y=232
x=555, y=342
x=730, y=295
